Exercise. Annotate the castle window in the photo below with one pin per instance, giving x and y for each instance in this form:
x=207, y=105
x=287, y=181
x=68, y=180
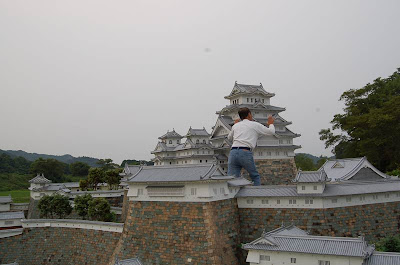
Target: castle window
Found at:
x=277, y=153
x=309, y=201
x=203, y=152
x=260, y=153
x=303, y=187
x=324, y=262
x=166, y=191
x=387, y=195
x=264, y=201
x=278, y=201
x=315, y=188
x=362, y=198
x=251, y=100
x=185, y=161
x=292, y=201
x=375, y=196
x=140, y=192
x=268, y=153
x=206, y=161
x=198, y=152
x=292, y=260
x=177, y=141
x=170, y=163
x=280, y=141
x=288, y=141
x=170, y=141
x=247, y=99
x=265, y=257
x=334, y=200
x=201, y=161
x=262, y=100
x=9, y=222
x=249, y=201
x=348, y=199
x=197, y=141
x=209, y=152
x=193, y=191
x=204, y=141
x=285, y=153
x=215, y=191
x=398, y=194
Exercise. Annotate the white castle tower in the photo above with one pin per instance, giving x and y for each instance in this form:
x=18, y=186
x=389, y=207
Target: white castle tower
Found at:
x=274, y=155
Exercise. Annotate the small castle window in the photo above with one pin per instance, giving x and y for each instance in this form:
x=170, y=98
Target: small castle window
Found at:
x=315, y=187
x=215, y=191
x=285, y=153
x=387, y=195
x=324, y=262
x=262, y=100
x=348, y=199
x=177, y=141
x=292, y=201
x=170, y=141
x=303, y=187
x=268, y=153
x=247, y=99
x=249, y=201
x=193, y=191
x=251, y=100
x=375, y=197
x=264, y=201
x=334, y=200
x=292, y=260
x=9, y=222
x=170, y=163
x=280, y=141
x=265, y=257
x=140, y=192
x=201, y=161
x=197, y=141
x=277, y=153
x=204, y=141
x=206, y=161
x=278, y=201
x=260, y=153
x=362, y=198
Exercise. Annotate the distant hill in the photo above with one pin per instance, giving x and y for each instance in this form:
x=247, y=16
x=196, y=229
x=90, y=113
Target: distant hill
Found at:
x=313, y=157
x=68, y=159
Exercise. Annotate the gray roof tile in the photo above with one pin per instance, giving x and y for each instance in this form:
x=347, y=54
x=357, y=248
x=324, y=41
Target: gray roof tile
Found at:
x=383, y=258
x=132, y=261
x=171, y=134
x=294, y=241
x=251, y=89
x=11, y=215
x=178, y=173
x=40, y=179
x=5, y=199
x=197, y=132
x=310, y=176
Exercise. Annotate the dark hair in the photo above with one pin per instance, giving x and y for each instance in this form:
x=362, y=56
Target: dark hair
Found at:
x=243, y=113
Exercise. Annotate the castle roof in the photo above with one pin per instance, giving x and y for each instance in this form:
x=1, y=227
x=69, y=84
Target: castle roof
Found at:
x=179, y=173
x=248, y=89
x=171, y=134
x=253, y=107
x=345, y=169
x=197, y=132
x=310, y=176
x=341, y=189
x=5, y=199
x=40, y=179
x=383, y=258
x=11, y=215
x=293, y=239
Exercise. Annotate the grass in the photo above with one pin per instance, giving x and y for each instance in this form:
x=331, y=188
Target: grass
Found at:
x=17, y=195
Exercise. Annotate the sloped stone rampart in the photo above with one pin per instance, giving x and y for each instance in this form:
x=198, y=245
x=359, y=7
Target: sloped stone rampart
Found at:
x=181, y=233
x=275, y=171
x=59, y=245
x=374, y=221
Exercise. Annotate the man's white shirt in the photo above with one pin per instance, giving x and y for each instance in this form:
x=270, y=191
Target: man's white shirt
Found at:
x=245, y=133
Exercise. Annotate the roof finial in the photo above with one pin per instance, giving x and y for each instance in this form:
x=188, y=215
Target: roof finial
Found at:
x=235, y=82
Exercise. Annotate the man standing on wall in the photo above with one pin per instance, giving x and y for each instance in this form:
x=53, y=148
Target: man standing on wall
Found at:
x=244, y=135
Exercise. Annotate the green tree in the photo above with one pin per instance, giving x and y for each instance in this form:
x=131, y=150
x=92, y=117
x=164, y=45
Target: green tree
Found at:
x=45, y=206
x=100, y=210
x=321, y=161
x=79, y=169
x=96, y=176
x=52, y=169
x=304, y=163
x=107, y=164
x=83, y=184
x=389, y=244
x=112, y=178
x=9, y=164
x=61, y=206
x=370, y=125
x=57, y=204
x=82, y=205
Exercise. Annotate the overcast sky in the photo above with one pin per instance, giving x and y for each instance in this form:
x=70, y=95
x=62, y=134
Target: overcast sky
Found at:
x=106, y=78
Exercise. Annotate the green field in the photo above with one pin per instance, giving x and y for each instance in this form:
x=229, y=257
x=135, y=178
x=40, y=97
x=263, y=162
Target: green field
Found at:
x=17, y=195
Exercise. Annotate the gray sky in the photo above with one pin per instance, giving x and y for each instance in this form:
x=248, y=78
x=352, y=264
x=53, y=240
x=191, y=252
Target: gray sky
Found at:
x=106, y=78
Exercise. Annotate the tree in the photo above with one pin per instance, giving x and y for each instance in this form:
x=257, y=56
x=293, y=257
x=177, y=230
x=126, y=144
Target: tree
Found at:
x=304, y=163
x=57, y=204
x=106, y=164
x=96, y=176
x=389, y=244
x=100, y=210
x=83, y=184
x=82, y=205
x=61, y=206
x=321, y=161
x=113, y=178
x=136, y=162
x=79, y=169
x=45, y=206
x=370, y=125
x=52, y=169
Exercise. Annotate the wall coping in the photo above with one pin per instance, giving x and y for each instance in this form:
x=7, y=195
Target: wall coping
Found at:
x=71, y=223
x=10, y=232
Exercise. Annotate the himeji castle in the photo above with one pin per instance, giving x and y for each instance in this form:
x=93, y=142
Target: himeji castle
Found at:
x=274, y=152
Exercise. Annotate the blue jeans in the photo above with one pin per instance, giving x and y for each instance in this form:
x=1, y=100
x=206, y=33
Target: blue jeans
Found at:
x=240, y=158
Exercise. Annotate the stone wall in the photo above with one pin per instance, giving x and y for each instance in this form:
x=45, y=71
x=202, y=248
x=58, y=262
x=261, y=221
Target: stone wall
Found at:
x=275, y=171
x=50, y=245
x=374, y=221
x=181, y=233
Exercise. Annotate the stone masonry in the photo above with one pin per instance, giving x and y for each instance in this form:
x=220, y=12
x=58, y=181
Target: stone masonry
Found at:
x=275, y=171
x=181, y=233
x=49, y=245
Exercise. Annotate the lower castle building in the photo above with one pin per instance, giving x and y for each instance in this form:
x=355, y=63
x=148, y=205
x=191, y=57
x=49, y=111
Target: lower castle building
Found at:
x=196, y=214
